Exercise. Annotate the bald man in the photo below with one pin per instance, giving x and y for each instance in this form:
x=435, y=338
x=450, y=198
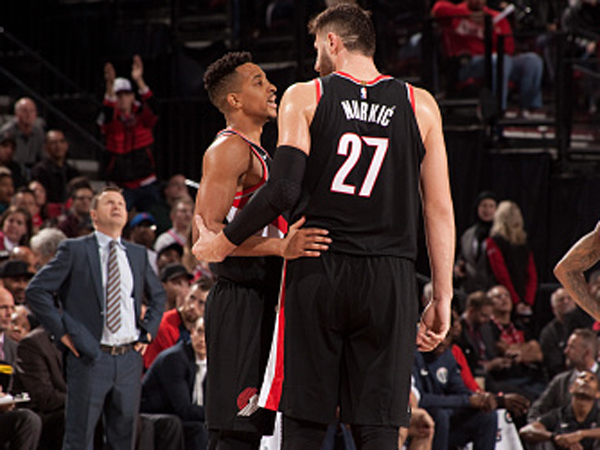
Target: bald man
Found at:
x=27, y=131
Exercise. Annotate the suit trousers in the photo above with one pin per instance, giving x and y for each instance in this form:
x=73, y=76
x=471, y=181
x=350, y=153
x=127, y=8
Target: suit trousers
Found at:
x=108, y=387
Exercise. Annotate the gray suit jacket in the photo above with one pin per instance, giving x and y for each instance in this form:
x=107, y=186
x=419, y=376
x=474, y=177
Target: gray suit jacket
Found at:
x=75, y=276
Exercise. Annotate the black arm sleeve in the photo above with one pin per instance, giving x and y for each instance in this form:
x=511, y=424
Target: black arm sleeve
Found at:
x=280, y=193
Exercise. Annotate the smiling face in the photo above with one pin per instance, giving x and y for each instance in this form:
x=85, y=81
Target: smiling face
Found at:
x=15, y=226
x=501, y=299
x=256, y=96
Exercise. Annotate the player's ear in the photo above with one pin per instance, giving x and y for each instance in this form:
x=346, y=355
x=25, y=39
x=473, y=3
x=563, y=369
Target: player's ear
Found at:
x=334, y=42
x=233, y=100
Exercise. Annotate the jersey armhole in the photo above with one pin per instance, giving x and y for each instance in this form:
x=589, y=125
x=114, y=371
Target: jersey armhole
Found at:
x=318, y=89
x=410, y=91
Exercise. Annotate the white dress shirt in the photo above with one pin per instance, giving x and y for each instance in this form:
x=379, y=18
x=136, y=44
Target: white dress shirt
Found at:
x=128, y=332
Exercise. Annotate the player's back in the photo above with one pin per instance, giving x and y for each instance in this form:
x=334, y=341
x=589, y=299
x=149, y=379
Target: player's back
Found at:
x=362, y=177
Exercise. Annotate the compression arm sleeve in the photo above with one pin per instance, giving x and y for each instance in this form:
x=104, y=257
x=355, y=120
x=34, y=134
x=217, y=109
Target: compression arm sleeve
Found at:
x=279, y=194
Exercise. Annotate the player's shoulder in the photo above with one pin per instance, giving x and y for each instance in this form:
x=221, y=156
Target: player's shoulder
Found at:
x=227, y=146
x=426, y=107
x=302, y=92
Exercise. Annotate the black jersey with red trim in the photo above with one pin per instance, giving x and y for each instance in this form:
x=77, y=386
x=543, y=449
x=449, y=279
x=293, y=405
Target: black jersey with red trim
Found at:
x=362, y=177
x=252, y=271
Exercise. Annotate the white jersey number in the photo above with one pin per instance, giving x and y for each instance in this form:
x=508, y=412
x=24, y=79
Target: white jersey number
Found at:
x=351, y=145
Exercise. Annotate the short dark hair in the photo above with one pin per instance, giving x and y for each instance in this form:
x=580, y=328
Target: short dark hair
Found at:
x=204, y=283
x=477, y=300
x=220, y=76
x=351, y=23
x=77, y=183
x=102, y=191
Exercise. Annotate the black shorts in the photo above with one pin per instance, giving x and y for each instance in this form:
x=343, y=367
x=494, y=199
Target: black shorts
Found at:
x=239, y=328
x=349, y=339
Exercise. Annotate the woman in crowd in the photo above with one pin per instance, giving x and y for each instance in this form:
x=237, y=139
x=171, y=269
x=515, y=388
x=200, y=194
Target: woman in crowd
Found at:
x=15, y=228
x=511, y=259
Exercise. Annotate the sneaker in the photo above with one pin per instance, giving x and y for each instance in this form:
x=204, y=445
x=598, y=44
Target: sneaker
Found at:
x=533, y=114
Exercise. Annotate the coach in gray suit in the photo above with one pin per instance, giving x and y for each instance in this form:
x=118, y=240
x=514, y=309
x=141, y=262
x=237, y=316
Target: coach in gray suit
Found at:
x=100, y=281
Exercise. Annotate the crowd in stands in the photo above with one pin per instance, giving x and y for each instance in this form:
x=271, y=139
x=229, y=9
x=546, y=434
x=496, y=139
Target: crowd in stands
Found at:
x=491, y=362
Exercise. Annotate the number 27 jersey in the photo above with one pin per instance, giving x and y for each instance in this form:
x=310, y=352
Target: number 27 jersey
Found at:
x=362, y=176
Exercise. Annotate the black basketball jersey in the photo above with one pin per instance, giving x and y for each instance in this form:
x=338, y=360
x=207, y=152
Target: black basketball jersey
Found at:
x=252, y=271
x=362, y=176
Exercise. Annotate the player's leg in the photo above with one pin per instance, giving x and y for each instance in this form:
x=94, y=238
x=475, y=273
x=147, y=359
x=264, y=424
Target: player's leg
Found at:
x=378, y=350
x=302, y=434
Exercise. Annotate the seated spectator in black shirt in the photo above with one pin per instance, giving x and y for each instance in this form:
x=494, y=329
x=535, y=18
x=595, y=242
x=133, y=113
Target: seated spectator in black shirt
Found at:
x=581, y=353
x=7, y=151
x=574, y=426
x=54, y=172
x=174, y=384
x=77, y=220
x=28, y=130
x=553, y=337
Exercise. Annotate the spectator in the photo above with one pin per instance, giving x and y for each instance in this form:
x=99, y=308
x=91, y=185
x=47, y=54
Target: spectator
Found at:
x=182, y=216
x=554, y=335
x=20, y=429
x=142, y=230
x=7, y=189
x=174, y=384
x=472, y=267
x=8, y=347
x=575, y=425
x=477, y=339
x=15, y=276
x=463, y=34
x=524, y=353
x=54, y=172
x=175, y=190
x=511, y=259
x=39, y=372
x=15, y=228
x=19, y=324
x=25, y=254
x=7, y=152
x=25, y=199
x=171, y=254
x=39, y=191
x=176, y=323
x=460, y=415
x=176, y=282
x=45, y=244
x=77, y=220
x=581, y=353
x=28, y=132
x=127, y=126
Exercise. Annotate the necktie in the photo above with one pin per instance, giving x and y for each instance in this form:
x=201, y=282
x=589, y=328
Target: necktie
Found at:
x=113, y=290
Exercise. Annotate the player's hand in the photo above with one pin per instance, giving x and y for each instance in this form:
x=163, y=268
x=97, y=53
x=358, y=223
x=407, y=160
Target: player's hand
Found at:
x=568, y=439
x=140, y=347
x=210, y=246
x=68, y=342
x=434, y=325
x=516, y=404
x=137, y=69
x=8, y=406
x=301, y=242
x=109, y=74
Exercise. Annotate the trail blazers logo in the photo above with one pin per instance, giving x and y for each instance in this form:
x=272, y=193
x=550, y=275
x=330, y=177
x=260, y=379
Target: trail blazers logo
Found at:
x=247, y=402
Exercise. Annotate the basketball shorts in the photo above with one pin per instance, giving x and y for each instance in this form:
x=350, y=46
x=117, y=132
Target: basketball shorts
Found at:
x=239, y=327
x=349, y=339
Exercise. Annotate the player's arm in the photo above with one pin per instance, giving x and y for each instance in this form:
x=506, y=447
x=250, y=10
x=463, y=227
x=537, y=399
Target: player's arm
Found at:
x=283, y=188
x=535, y=432
x=570, y=271
x=439, y=221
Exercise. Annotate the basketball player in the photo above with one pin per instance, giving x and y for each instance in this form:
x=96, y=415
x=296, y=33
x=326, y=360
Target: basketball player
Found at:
x=240, y=308
x=354, y=149
x=584, y=254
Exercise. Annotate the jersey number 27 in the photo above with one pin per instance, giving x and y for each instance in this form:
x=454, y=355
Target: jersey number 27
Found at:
x=351, y=145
